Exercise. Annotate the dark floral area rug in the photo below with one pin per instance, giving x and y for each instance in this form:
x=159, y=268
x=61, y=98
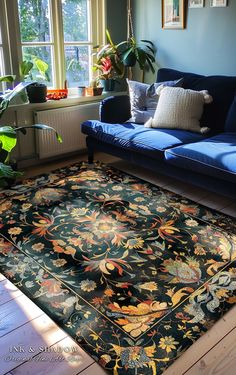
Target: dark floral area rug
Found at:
x=135, y=274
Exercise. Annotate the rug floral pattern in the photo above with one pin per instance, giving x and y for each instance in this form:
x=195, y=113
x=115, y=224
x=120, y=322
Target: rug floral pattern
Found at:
x=135, y=274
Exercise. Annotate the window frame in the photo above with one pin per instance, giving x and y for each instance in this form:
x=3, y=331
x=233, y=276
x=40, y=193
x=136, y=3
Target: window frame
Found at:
x=7, y=65
x=12, y=40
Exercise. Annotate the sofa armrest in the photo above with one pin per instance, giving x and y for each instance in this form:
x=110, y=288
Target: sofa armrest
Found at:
x=115, y=109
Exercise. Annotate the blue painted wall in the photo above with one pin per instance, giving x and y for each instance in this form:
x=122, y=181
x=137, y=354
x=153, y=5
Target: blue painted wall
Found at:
x=116, y=19
x=206, y=46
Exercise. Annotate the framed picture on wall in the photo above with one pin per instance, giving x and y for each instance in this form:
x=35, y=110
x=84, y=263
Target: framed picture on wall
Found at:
x=196, y=3
x=218, y=3
x=173, y=14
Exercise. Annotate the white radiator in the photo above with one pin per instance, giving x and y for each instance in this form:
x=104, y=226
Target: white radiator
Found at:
x=67, y=121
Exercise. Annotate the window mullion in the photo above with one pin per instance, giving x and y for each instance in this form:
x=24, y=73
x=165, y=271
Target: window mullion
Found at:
x=78, y=44
x=7, y=68
x=57, y=26
x=97, y=27
x=25, y=44
x=98, y=22
x=14, y=35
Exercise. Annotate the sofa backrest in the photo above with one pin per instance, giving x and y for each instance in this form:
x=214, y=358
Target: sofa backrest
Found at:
x=222, y=89
x=230, y=124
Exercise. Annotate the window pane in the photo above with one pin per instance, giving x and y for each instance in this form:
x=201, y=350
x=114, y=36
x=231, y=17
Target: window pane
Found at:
x=77, y=65
x=34, y=20
x=43, y=53
x=75, y=20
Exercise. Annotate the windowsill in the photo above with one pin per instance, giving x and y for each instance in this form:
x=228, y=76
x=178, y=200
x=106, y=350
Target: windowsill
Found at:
x=70, y=101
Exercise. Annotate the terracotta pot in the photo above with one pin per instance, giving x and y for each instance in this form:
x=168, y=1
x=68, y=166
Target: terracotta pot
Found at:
x=93, y=91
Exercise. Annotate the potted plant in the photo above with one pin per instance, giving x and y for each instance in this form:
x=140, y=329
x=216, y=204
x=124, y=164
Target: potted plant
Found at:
x=141, y=53
x=94, y=89
x=37, y=91
x=8, y=134
x=109, y=63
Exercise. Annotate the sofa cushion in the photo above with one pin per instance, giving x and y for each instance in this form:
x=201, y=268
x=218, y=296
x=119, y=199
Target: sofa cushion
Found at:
x=179, y=108
x=110, y=109
x=143, y=99
x=135, y=137
x=221, y=88
x=230, y=124
x=215, y=156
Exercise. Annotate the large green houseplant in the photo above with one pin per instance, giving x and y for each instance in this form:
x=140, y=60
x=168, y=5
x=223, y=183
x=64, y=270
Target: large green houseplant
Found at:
x=112, y=59
x=8, y=134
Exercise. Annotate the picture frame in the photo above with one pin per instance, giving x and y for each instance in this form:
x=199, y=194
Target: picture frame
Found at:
x=196, y=3
x=173, y=14
x=218, y=3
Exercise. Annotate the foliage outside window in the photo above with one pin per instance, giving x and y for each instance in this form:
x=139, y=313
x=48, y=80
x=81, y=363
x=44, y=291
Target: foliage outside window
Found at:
x=61, y=33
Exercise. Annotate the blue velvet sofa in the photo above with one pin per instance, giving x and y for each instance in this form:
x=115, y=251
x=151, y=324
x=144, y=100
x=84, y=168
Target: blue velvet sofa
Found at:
x=207, y=161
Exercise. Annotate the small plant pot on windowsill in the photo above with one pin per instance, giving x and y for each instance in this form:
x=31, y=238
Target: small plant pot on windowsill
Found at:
x=93, y=91
x=37, y=93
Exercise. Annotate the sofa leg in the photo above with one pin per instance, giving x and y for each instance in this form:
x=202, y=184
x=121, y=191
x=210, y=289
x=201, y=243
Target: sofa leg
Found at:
x=90, y=157
x=90, y=151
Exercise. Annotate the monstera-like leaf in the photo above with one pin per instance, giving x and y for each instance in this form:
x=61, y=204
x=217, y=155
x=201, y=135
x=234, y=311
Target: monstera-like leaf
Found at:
x=8, y=134
x=6, y=98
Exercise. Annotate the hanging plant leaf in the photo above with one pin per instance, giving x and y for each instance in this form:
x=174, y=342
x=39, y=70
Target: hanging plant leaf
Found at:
x=151, y=57
x=149, y=62
x=147, y=41
x=141, y=57
x=127, y=53
x=130, y=60
x=151, y=49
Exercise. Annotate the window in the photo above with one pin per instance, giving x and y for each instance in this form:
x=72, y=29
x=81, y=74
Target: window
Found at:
x=36, y=33
x=3, y=46
x=77, y=41
x=61, y=33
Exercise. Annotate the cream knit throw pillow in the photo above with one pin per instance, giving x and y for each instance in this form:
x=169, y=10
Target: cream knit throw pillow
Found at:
x=179, y=108
x=143, y=99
